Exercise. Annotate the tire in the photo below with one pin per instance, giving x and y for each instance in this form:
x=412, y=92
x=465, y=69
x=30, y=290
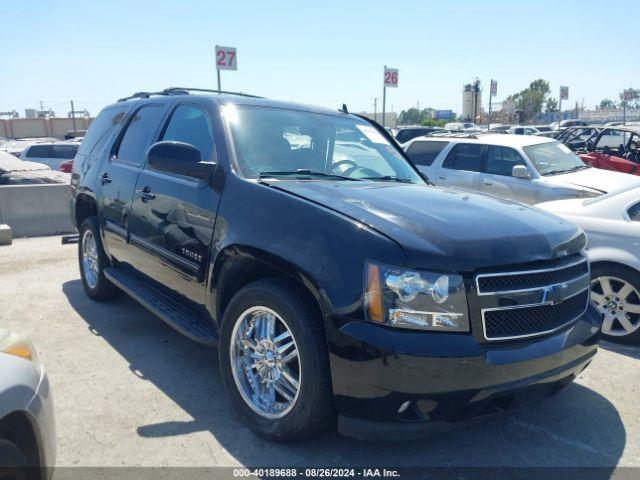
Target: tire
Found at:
x=13, y=464
x=618, y=303
x=95, y=284
x=285, y=415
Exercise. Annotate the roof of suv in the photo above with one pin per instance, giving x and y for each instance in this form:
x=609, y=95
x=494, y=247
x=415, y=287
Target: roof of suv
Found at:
x=225, y=98
x=491, y=139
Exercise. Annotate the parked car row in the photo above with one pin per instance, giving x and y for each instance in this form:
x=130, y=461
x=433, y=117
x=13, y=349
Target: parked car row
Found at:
x=56, y=154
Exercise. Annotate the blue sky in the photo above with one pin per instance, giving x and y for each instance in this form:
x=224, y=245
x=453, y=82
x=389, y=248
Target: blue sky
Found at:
x=326, y=53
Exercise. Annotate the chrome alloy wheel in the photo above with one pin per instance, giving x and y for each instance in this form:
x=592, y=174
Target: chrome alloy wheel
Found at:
x=265, y=362
x=89, y=251
x=619, y=304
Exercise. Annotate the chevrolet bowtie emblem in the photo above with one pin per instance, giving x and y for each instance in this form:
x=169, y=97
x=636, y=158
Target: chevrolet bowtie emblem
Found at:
x=550, y=290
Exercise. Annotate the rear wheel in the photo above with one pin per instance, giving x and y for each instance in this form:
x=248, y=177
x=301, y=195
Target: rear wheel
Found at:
x=93, y=260
x=273, y=361
x=615, y=291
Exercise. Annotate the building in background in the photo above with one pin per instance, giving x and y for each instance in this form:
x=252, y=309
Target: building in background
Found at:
x=391, y=118
x=472, y=102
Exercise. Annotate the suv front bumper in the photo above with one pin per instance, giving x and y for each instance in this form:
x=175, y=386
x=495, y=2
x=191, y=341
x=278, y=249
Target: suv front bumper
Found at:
x=386, y=380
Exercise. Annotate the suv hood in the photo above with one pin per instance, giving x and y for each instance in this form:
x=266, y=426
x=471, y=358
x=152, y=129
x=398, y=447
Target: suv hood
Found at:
x=446, y=229
x=595, y=179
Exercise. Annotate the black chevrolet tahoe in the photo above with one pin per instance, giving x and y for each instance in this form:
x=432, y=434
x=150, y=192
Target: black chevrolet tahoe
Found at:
x=335, y=281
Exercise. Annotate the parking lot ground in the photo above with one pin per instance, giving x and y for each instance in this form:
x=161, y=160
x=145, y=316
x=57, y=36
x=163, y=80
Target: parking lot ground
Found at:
x=129, y=390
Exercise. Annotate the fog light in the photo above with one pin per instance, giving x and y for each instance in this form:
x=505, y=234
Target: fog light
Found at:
x=408, y=318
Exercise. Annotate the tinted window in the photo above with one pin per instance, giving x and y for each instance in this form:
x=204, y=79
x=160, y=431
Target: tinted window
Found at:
x=191, y=125
x=407, y=134
x=634, y=212
x=64, y=151
x=465, y=156
x=39, y=151
x=139, y=134
x=501, y=160
x=101, y=127
x=424, y=153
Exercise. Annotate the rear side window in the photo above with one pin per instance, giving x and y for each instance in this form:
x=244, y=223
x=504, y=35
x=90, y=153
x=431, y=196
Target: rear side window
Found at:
x=501, y=160
x=465, y=156
x=139, y=134
x=39, y=151
x=190, y=124
x=634, y=212
x=424, y=153
x=66, y=152
x=101, y=128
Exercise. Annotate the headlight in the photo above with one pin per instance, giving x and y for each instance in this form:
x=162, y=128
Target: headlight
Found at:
x=17, y=345
x=420, y=300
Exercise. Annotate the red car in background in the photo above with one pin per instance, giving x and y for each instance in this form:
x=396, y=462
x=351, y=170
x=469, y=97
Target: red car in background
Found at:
x=616, y=148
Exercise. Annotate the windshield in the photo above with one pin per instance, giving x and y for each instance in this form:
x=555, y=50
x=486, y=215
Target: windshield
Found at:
x=553, y=158
x=275, y=142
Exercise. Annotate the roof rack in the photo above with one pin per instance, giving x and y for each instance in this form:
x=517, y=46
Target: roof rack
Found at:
x=453, y=135
x=183, y=91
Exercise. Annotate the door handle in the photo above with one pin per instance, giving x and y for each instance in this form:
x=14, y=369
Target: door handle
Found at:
x=442, y=177
x=488, y=182
x=106, y=178
x=145, y=194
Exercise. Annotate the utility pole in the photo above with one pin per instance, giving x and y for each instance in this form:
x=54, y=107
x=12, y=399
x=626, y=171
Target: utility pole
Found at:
x=375, y=109
x=73, y=117
x=384, y=98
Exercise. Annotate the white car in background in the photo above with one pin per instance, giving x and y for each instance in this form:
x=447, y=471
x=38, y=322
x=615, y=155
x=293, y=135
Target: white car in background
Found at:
x=27, y=429
x=612, y=225
x=525, y=168
x=51, y=154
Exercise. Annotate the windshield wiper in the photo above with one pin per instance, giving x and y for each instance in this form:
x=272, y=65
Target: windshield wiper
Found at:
x=303, y=172
x=568, y=170
x=388, y=178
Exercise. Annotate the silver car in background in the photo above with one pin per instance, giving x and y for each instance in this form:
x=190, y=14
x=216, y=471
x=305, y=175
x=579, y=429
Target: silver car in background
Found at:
x=612, y=225
x=524, y=168
x=51, y=154
x=27, y=429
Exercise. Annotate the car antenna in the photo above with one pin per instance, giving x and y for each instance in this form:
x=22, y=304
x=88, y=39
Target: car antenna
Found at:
x=344, y=108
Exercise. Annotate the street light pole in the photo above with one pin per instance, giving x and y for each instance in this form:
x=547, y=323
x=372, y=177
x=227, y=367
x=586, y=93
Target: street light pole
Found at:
x=384, y=98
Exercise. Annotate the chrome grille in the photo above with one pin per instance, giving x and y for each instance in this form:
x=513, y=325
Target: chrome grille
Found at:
x=532, y=302
x=492, y=283
x=519, y=322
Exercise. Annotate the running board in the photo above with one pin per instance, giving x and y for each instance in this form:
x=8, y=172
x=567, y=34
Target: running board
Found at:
x=182, y=318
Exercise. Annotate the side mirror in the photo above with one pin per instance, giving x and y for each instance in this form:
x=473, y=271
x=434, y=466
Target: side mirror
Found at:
x=521, y=171
x=589, y=146
x=179, y=158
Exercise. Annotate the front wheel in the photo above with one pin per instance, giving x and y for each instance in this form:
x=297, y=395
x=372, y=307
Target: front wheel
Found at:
x=615, y=291
x=273, y=361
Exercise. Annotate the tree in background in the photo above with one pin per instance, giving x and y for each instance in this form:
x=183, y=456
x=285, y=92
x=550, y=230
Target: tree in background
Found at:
x=630, y=98
x=413, y=116
x=432, y=122
x=607, y=104
x=529, y=101
x=552, y=105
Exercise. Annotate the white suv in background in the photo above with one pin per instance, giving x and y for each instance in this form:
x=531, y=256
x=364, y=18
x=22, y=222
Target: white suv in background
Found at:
x=52, y=154
x=524, y=168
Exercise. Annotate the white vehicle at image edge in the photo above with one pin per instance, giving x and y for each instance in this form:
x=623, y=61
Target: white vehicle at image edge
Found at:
x=612, y=225
x=524, y=168
x=51, y=154
x=27, y=429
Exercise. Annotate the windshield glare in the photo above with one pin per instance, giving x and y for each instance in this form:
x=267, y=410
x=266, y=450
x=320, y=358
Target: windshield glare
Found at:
x=278, y=140
x=553, y=157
